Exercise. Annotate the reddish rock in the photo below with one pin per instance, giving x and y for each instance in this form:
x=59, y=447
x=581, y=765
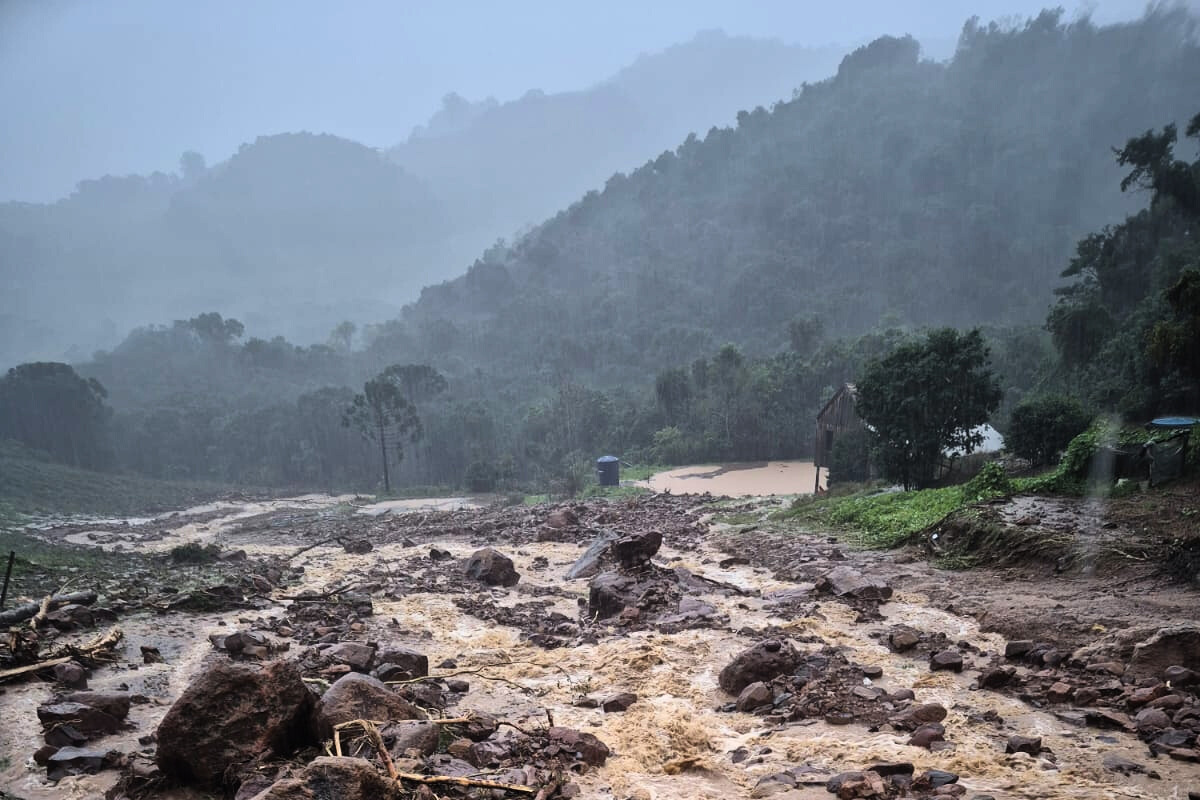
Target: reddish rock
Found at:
x=636, y=550
x=492, y=567
x=915, y=717
x=358, y=657
x=358, y=696
x=849, y=582
x=338, y=777
x=926, y=735
x=230, y=715
x=1059, y=692
x=902, y=640
x=404, y=738
x=585, y=746
x=71, y=675
x=762, y=662
x=618, y=702
x=1031, y=745
x=754, y=696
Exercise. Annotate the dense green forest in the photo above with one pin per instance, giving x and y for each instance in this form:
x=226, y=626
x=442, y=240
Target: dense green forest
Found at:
x=705, y=305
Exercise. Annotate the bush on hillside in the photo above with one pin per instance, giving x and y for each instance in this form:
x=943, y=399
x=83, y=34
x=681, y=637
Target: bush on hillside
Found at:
x=1041, y=428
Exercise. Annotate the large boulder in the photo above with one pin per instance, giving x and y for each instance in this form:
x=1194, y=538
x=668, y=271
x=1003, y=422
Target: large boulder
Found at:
x=766, y=660
x=338, y=777
x=591, y=562
x=636, y=549
x=230, y=715
x=358, y=696
x=492, y=567
x=412, y=663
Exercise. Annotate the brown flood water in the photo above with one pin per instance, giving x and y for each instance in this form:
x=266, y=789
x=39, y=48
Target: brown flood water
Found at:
x=672, y=744
x=739, y=480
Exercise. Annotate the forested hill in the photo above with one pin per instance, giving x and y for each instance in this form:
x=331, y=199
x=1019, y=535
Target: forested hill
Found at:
x=928, y=193
x=503, y=166
x=293, y=230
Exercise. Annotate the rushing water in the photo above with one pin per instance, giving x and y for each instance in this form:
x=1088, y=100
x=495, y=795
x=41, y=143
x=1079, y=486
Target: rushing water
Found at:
x=739, y=480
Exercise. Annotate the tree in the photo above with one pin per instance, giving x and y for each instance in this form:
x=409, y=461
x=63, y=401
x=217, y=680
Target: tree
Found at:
x=1043, y=426
x=384, y=415
x=47, y=406
x=924, y=398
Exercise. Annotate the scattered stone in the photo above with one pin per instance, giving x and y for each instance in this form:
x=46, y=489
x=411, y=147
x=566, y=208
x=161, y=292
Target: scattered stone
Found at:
x=74, y=761
x=358, y=696
x=996, y=677
x=88, y=721
x=762, y=662
x=1059, y=692
x=951, y=660
x=413, y=663
x=332, y=776
x=912, y=718
x=636, y=550
x=357, y=546
x=358, y=657
x=438, y=554
x=849, y=582
x=230, y=715
x=151, y=655
x=926, y=735
x=1017, y=648
x=902, y=640
x=1031, y=745
x=585, y=746
x=71, y=675
x=492, y=567
x=618, y=702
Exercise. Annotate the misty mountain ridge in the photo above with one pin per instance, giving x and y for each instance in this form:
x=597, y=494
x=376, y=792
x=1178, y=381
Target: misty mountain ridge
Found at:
x=296, y=232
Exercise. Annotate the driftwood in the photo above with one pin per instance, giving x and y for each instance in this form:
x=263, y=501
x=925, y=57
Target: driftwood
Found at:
x=375, y=739
x=87, y=652
x=49, y=603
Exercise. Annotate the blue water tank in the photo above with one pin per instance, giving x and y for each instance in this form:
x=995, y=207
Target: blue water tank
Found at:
x=608, y=470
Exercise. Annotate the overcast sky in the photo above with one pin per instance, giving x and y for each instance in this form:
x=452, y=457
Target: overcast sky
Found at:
x=93, y=87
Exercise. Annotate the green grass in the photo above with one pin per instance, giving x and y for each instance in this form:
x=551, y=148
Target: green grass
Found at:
x=30, y=484
x=641, y=472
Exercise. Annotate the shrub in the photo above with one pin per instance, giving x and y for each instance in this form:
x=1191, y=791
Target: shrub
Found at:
x=194, y=553
x=1041, y=428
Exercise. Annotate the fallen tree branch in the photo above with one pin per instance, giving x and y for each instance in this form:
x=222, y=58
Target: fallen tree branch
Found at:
x=322, y=596
x=28, y=610
x=88, y=652
x=304, y=550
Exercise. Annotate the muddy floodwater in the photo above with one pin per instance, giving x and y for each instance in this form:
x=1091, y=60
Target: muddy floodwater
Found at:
x=680, y=740
x=739, y=480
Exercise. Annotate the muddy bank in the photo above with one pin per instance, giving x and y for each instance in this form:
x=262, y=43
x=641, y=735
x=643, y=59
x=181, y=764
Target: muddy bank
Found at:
x=660, y=617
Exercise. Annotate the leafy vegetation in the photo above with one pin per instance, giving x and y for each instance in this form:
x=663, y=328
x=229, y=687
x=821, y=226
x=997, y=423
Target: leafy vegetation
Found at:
x=1041, y=427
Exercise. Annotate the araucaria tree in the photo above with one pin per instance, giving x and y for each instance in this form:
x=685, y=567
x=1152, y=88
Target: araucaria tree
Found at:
x=925, y=398
x=383, y=414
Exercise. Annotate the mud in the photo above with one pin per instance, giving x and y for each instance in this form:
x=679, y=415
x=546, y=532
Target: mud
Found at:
x=531, y=653
x=739, y=480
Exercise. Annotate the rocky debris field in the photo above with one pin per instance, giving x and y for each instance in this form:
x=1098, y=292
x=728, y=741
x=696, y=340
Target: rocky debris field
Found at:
x=639, y=648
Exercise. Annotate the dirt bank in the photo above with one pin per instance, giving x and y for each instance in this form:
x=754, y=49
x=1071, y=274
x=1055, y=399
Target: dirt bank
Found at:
x=532, y=650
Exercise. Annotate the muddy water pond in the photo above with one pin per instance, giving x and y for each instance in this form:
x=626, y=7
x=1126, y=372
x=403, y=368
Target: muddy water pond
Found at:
x=739, y=480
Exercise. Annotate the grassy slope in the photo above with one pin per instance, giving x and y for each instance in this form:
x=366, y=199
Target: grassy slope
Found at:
x=31, y=484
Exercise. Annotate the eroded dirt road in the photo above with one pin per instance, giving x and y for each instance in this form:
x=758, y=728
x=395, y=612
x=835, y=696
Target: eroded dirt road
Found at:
x=549, y=648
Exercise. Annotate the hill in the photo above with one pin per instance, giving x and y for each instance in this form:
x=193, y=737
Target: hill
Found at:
x=900, y=189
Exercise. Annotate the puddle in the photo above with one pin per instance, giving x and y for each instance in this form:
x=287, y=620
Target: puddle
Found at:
x=738, y=480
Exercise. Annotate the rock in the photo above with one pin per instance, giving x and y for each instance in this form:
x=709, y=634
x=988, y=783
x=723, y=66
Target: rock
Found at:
x=590, y=563
x=902, y=640
x=997, y=677
x=936, y=778
x=1181, y=676
x=230, y=556
x=358, y=657
x=487, y=753
x=926, y=735
x=414, y=664
x=916, y=716
x=893, y=768
x=775, y=783
x=636, y=550
x=492, y=567
x=438, y=554
x=70, y=617
x=1017, y=648
x=755, y=695
x=609, y=593
x=951, y=660
x=1115, y=668
x=1168, y=702
x=561, y=518
x=74, y=761
x=851, y=785
x=151, y=655
x=63, y=734
x=230, y=715
x=357, y=546
x=90, y=722
x=762, y=662
x=1140, y=697
x=115, y=704
x=1024, y=744
x=358, y=696
x=1177, y=645
x=71, y=675
x=618, y=702
x=1059, y=692
x=1118, y=763
x=480, y=726
x=585, y=746
x=1085, y=696
x=848, y=582
x=338, y=777
x=418, y=736
x=458, y=686
x=1152, y=719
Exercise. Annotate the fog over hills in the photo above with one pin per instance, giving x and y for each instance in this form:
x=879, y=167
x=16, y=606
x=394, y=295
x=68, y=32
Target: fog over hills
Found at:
x=297, y=232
